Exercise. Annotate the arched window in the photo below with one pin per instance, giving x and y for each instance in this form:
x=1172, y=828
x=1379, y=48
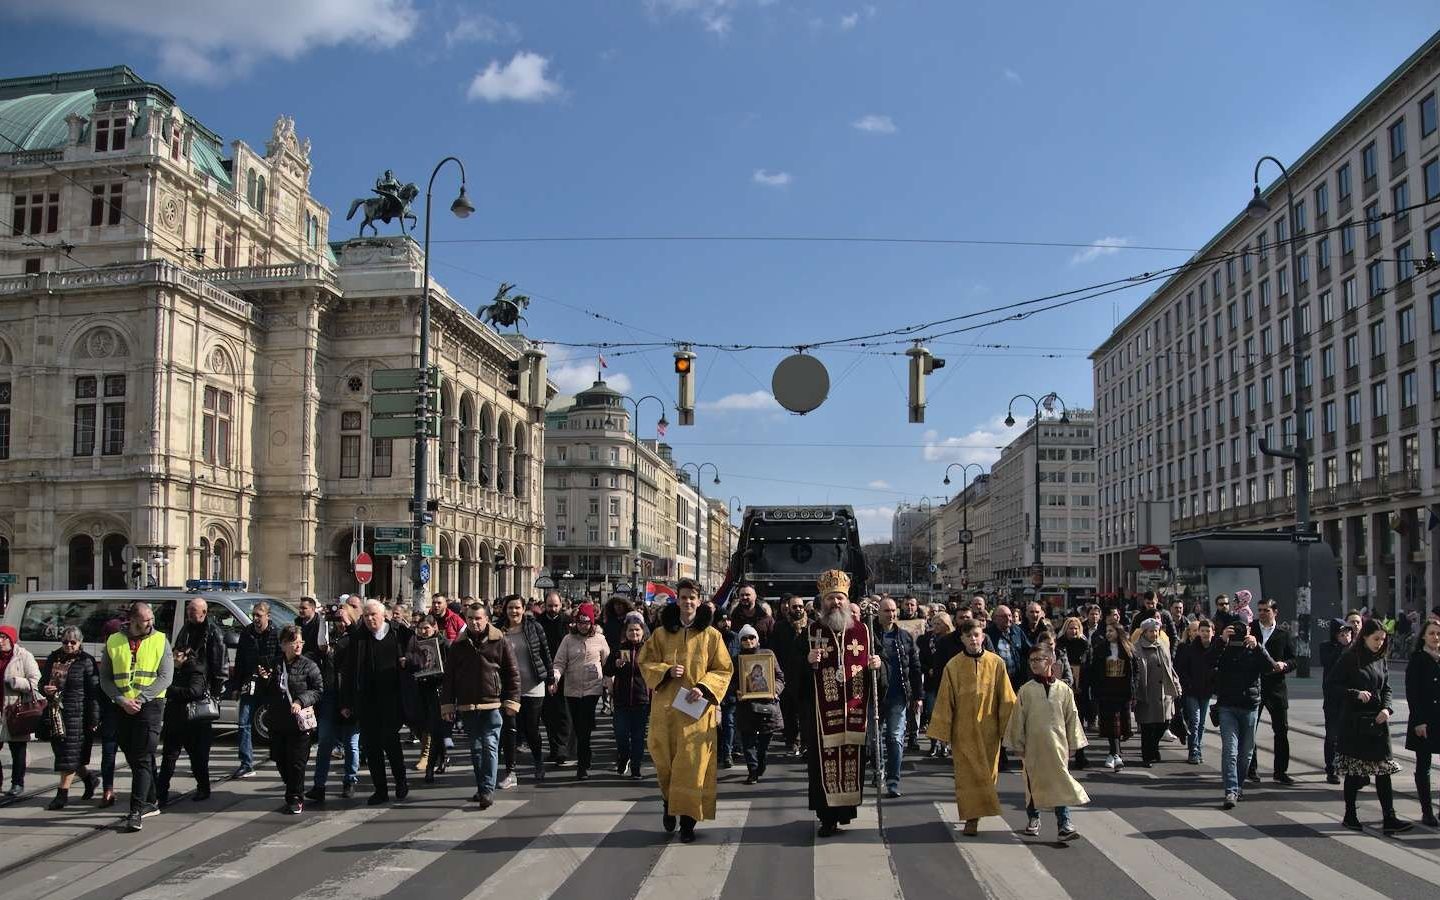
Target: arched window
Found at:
x=250, y=187
x=204, y=565
x=82, y=562
x=260, y=195
x=219, y=562
x=112, y=562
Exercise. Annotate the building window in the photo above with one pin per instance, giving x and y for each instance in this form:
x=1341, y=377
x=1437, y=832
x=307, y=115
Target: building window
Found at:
x=1327, y=416
x=560, y=452
x=1397, y=139
x=1347, y=238
x=615, y=506
x=1342, y=182
x=1372, y=220
x=1410, y=453
x=1409, y=389
x=1322, y=253
x=1432, y=240
x=1327, y=361
x=1400, y=202
x=594, y=507
x=113, y=436
x=1435, y=311
x=216, y=426
x=1404, y=263
x=1322, y=200
x=1405, y=319
x=1381, y=454
x=36, y=214
x=86, y=390
x=560, y=533
x=1349, y=300
x=350, y=424
x=1430, y=178
x=110, y=133
x=1377, y=338
x=4, y=420
x=1379, y=399
x=1375, y=279
x=1352, y=350
x=106, y=203
x=1427, y=114
x=1332, y=471
x=382, y=457
x=1352, y=408
x=1369, y=162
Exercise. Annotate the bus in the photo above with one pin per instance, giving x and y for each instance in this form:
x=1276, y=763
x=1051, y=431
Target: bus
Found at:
x=783, y=549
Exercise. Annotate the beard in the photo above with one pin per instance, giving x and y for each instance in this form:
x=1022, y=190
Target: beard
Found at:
x=837, y=619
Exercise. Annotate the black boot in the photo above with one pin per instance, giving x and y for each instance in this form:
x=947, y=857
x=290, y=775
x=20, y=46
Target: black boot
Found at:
x=1352, y=793
x=1422, y=791
x=91, y=780
x=687, y=830
x=62, y=797
x=1391, y=824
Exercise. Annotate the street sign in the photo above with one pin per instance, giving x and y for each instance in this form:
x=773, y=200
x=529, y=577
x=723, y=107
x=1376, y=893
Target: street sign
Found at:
x=1016, y=584
x=402, y=427
x=392, y=532
x=1305, y=537
x=967, y=536
x=1037, y=580
x=9, y=578
x=364, y=568
x=1150, y=558
x=394, y=404
x=424, y=571
x=427, y=550
x=401, y=379
x=391, y=548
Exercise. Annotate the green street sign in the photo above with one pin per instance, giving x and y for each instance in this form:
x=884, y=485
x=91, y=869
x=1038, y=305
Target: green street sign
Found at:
x=9, y=578
x=427, y=550
x=392, y=533
x=402, y=428
x=401, y=379
x=394, y=404
x=391, y=548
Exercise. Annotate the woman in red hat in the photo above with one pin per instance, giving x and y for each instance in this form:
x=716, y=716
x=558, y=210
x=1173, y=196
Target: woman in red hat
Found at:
x=580, y=662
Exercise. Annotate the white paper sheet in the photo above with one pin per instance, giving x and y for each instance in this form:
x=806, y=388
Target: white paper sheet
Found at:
x=694, y=710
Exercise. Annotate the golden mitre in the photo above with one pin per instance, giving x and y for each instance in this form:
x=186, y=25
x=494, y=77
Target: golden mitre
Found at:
x=835, y=581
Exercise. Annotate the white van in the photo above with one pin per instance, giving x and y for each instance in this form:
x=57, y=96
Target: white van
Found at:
x=40, y=617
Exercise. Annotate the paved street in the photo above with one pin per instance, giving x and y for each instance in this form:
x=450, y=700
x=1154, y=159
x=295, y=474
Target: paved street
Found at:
x=1156, y=833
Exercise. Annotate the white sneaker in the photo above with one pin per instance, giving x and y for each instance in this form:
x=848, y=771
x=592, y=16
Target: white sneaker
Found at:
x=1111, y=761
x=509, y=782
x=1032, y=828
x=1119, y=763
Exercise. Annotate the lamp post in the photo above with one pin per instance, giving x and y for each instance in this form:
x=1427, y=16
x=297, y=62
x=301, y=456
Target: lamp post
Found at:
x=1258, y=209
x=635, y=489
x=926, y=506
x=737, y=508
x=462, y=208
x=1048, y=401
x=700, y=494
x=964, y=512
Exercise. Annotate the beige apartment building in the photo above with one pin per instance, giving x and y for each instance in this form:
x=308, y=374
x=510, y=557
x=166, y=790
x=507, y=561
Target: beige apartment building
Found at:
x=1189, y=383
x=967, y=567
x=185, y=364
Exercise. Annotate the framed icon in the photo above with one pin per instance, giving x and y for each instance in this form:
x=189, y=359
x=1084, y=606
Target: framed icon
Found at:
x=757, y=676
x=429, y=658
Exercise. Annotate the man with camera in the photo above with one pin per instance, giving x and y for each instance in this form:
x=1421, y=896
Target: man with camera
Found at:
x=255, y=657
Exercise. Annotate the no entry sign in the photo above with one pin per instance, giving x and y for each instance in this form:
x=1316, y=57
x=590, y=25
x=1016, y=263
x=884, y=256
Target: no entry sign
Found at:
x=364, y=568
x=1150, y=558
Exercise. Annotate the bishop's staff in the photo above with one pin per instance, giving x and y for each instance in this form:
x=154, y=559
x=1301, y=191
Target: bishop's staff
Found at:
x=872, y=711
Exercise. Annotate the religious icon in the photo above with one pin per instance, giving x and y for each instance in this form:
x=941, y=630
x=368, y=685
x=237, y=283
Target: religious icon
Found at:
x=757, y=676
x=428, y=658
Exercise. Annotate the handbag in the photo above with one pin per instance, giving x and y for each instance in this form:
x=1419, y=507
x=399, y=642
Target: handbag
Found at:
x=205, y=709
x=21, y=719
x=305, y=719
x=52, y=727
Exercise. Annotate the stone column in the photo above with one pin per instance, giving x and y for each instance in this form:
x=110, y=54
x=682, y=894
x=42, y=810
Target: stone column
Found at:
x=1348, y=550
x=1379, y=598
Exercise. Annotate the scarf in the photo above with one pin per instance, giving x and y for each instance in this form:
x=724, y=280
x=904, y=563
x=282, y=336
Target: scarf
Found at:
x=966, y=651
x=1047, y=679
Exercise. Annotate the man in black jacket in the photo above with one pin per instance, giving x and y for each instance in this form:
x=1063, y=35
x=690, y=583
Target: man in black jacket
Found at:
x=255, y=658
x=336, y=730
x=555, y=712
x=1274, y=697
x=314, y=629
x=1239, y=662
x=370, y=692
x=790, y=644
x=902, y=696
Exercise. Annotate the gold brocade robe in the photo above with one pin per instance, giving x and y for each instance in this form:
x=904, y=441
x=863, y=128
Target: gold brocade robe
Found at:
x=972, y=711
x=1045, y=730
x=684, y=749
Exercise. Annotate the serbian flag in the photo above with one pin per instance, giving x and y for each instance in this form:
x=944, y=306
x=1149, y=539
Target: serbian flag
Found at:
x=600, y=358
x=655, y=592
x=660, y=427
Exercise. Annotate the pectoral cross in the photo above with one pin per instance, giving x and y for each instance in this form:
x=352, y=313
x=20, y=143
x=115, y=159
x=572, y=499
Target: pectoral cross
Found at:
x=854, y=648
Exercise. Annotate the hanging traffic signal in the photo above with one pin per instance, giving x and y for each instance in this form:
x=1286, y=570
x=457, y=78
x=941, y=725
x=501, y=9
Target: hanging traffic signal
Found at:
x=137, y=572
x=518, y=374
x=921, y=365
x=685, y=369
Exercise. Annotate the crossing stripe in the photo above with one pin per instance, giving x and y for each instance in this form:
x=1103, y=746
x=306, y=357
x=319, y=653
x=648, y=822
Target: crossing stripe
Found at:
x=1420, y=864
x=1004, y=867
x=1159, y=874
x=422, y=847
x=698, y=871
x=855, y=864
x=540, y=869
x=1285, y=863
x=207, y=879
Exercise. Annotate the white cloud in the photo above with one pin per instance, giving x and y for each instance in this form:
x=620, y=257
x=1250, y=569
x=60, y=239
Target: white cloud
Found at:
x=713, y=15
x=755, y=400
x=770, y=179
x=522, y=79
x=981, y=445
x=716, y=23
x=875, y=522
x=879, y=484
x=1012, y=76
x=480, y=28
x=875, y=124
x=848, y=22
x=574, y=378
x=1106, y=246
x=218, y=41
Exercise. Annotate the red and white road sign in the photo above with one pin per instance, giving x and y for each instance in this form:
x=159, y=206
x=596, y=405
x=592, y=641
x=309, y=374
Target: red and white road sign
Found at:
x=364, y=568
x=1150, y=558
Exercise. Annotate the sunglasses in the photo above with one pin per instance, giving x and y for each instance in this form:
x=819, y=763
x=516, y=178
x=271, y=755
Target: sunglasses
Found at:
x=70, y=643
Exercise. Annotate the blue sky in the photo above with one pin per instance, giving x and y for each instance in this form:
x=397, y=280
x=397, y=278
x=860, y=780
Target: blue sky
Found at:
x=1117, y=124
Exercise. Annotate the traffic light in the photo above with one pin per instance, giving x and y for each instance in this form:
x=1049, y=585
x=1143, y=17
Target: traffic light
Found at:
x=519, y=377
x=535, y=361
x=137, y=572
x=921, y=364
x=685, y=369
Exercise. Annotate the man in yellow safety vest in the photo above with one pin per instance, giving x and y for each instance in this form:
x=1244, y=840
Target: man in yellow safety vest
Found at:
x=135, y=670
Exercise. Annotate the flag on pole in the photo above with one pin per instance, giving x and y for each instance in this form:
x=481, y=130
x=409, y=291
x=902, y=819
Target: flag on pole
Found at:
x=601, y=358
x=655, y=592
x=660, y=430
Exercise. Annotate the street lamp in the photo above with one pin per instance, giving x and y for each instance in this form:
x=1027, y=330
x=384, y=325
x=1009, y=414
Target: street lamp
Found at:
x=924, y=506
x=1048, y=401
x=462, y=208
x=635, y=488
x=1258, y=208
x=965, y=512
x=699, y=470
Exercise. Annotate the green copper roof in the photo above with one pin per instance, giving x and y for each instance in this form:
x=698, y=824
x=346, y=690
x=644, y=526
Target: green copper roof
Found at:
x=37, y=121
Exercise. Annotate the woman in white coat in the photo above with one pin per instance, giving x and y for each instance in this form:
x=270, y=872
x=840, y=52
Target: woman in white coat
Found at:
x=1045, y=730
x=19, y=682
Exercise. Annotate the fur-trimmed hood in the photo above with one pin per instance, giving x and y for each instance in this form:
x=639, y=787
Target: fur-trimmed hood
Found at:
x=670, y=617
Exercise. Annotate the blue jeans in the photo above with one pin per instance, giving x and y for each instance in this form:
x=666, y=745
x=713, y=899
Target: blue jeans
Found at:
x=757, y=749
x=483, y=728
x=632, y=723
x=892, y=721
x=1196, y=708
x=1062, y=815
x=335, y=731
x=727, y=730
x=245, y=712
x=1237, y=742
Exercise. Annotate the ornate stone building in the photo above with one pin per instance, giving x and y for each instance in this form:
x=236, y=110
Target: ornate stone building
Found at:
x=185, y=363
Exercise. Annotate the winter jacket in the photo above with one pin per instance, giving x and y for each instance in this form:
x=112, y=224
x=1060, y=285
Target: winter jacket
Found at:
x=758, y=716
x=909, y=671
x=304, y=685
x=630, y=689
x=1156, y=685
x=452, y=624
x=1281, y=648
x=206, y=641
x=22, y=682
x=580, y=662
x=1422, y=692
x=256, y=648
x=191, y=682
x=555, y=628
x=540, y=656
x=79, y=698
x=1237, y=672
x=1197, y=674
x=1361, y=737
x=756, y=618
x=480, y=674
x=1012, y=647
x=370, y=684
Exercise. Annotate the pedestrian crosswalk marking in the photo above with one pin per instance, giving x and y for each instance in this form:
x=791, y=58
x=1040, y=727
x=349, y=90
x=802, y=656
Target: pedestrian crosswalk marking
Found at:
x=855, y=864
x=207, y=880
x=1279, y=859
x=541, y=868
x=1421, y=865
x=426, y=844
x=698, y=871
x=1159, y=874
x=1004, y=867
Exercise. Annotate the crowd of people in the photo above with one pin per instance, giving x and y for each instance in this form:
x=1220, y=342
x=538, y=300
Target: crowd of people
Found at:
x=691, y=688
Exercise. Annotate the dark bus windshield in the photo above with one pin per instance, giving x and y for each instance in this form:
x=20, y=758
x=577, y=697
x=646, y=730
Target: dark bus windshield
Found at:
x=797, y=547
